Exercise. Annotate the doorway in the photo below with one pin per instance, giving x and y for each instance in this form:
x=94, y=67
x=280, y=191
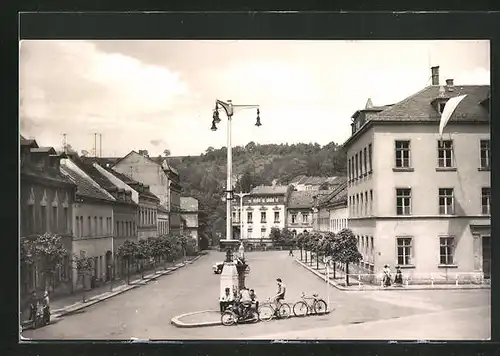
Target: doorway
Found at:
x=486, y=242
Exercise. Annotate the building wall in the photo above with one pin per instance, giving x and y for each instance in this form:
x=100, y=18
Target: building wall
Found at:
x=147, y=220
x=299, y=225
x=163, y=224
x=338, y=217
x=93, y=240
x=125, y=221
x=147, y=172
x=425, y=181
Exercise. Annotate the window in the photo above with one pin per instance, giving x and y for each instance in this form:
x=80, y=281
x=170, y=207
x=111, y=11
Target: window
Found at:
x=402, y=154
x=53, y=224
x=66, y=220
x=349, y=169
x=446, y=250
x=234, y=215
x=249, y=232
x=276, y=216
x=352, y=168
x=357, y=204
x=361, y=163
x=263, y=233
x=305, y=218
x=294, y=218
x=365, y=160
x=485, y=154
x=361, y=205
x=77, y=227
x=403, y=201
x=404, y=250
x=95, y=226
x=370, y=156
x=446, y=203
x=371, y=247
x=117, y=232
x=262, y=216
x=43, y=216
x=249, y=217
x=445, y=153
x=356, y=166
x=371, y=201
x=366, y=203
x=485, y=200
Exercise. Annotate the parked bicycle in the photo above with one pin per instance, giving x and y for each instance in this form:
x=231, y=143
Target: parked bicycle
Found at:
x=303, y=307
x=268, y=310
x=233, y=315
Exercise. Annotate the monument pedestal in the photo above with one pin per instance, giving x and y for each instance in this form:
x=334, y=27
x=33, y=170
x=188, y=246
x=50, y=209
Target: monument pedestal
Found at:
x=225, y=244
x=229, y=278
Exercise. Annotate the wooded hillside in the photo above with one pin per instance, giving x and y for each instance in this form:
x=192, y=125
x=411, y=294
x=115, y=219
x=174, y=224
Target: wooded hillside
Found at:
x=204, y=177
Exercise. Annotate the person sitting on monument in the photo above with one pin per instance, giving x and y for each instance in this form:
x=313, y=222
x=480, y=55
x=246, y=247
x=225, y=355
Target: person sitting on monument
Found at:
x=226, y=300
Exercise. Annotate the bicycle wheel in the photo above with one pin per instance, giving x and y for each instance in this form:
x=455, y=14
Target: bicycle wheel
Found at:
x=300, y=308
x=228, y=318
x=255, y=317
x=266, y=312
x=319, y=306
x=284, y=311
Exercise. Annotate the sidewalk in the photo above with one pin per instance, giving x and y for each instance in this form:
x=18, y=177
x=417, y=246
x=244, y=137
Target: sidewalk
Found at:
x=72, y=303
x=459, y=324
x=355, y=285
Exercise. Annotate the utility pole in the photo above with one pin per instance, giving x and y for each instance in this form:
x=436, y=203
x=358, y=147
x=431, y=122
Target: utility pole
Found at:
x=95, y=145
x=65, y=145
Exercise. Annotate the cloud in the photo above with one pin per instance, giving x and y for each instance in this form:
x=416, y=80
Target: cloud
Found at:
x=72, y=84
x=156, y=142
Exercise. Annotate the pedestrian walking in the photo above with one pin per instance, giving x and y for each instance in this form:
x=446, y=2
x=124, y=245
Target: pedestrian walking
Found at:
x=387, y=276
x=398, y=278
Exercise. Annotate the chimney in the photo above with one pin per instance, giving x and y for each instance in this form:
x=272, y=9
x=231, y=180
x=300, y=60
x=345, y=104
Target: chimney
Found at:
x=435, y=75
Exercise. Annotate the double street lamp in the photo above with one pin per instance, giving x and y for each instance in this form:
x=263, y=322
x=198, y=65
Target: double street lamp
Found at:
x=229, y=109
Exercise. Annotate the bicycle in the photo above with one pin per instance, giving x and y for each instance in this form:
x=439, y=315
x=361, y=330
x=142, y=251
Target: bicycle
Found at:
x=302, y=307
x=268, y=311
x=232, y=315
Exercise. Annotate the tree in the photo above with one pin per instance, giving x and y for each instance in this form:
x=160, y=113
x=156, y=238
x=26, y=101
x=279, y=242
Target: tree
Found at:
x=166, y=152
x=345, y=250
x=127, y=252
x=142, y=253
x=84, y=268
x=46, y=252
x=275, y=236
x=287, y=237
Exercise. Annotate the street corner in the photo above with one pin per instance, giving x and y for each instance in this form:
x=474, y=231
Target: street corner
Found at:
x=197, y=319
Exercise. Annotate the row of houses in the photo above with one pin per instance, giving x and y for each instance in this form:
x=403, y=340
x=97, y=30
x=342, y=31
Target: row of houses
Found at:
x=95, y=206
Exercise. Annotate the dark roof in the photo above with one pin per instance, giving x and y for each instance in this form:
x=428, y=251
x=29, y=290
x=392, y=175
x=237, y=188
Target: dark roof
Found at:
x=48, y=174
x=86, y=165
x=269, y=190
x=50, y=150
x=28, y=142
x=302, y=199
x=106, y=161
x=336, y=196
x=189, y=204
x=419, y=107
x=84, y=187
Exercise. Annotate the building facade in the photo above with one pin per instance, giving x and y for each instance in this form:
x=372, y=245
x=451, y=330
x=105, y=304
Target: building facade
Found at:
x=163, y=221
x=93, y=224
x=416, y=199
x=331, y=214
x=46, y=205
x=263, y=209
x=190, y=210
x=300, y=211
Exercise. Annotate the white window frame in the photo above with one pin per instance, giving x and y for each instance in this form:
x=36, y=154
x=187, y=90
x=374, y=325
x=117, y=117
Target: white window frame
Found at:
x=403, y=201
x=305, y=218
x=449, y=258
x=485, y=163
x=276, y=216
x=294, y=218
x=400, y=148
x=402, y=243
x=249, y=217
x=447, y=160
x=263, y=218
x=486, y=208
x=448, y=194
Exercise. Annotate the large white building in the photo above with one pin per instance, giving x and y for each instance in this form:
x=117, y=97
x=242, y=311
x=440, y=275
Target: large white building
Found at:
x=263, y=209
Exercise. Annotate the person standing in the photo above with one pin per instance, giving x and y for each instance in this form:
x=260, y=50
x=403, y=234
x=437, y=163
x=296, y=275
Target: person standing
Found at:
x=387, y=276
x=398, y=278
x=46, y=307
x=33, y=306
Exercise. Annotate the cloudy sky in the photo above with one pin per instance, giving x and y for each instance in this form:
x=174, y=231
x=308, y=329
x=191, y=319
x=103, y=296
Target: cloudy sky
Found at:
x=158, y=95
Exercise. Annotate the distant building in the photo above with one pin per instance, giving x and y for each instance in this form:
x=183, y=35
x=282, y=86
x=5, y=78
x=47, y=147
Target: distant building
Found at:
x=46, y=205
x=330, y=210
x=305, y=183
x=263, y=209
x=417, y=200
x=300, y=211
x=189, y=212
x=163, y=221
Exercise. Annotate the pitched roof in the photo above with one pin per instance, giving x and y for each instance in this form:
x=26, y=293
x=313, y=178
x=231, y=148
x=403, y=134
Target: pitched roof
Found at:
x=131, y=182
x=50, y=150
x=419, y=105
x=28, y=142
x=85, y=186
x=303, y=179
x=155, y=160
x=336, y=196
x=189, y=204
x=302, y=199
x=269, y=190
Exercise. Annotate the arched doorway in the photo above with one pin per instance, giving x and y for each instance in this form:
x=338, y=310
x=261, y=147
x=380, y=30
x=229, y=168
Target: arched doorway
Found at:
x=109, y=262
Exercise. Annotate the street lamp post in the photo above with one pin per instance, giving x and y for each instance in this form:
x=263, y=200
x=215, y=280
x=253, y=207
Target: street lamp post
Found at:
x=241, y=195
x=229, y=109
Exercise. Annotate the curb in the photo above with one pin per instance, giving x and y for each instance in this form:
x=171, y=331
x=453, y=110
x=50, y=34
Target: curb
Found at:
x=175, y=320
x=373, y=288
x=64, y=311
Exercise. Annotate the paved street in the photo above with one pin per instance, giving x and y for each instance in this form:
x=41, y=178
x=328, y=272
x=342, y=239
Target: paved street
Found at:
x=145, y=312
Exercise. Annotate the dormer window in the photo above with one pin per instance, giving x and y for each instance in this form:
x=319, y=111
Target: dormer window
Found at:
x=441, y=106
